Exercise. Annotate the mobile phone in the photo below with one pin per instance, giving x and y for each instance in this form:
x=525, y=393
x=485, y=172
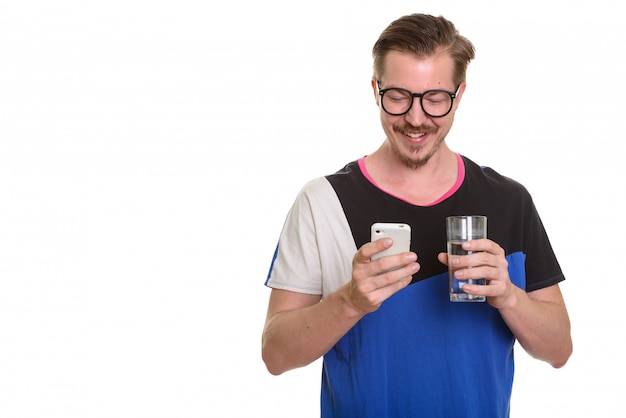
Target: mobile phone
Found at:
x=400, y=233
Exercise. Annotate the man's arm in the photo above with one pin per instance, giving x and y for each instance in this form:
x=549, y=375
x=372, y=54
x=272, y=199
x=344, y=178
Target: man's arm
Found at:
x=538, y=319
x=300, y=328
x=541, y=324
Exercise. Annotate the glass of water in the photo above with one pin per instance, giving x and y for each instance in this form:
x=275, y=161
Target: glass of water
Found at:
x=459, y=230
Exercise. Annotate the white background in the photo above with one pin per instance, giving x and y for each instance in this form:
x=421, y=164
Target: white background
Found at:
x=149, y=152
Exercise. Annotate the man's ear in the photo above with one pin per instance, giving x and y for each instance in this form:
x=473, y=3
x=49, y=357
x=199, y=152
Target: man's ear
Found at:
x=461, y=90
x=376, y=95
x=457, y=99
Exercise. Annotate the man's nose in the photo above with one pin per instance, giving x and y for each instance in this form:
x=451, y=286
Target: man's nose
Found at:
x=416, y=116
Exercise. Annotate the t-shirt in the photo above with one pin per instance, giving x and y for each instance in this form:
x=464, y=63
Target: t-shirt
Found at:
x=418, y=355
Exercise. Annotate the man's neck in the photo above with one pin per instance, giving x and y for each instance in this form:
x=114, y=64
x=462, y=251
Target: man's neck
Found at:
x=420, y=186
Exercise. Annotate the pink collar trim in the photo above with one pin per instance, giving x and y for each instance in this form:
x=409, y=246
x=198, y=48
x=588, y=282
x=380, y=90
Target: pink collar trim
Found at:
x=453, y=189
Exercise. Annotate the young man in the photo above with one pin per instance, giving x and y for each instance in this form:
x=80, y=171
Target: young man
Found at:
x=393, y=344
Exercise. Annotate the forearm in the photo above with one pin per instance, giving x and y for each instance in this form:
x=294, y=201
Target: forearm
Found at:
x=541, y=326
x=296, y=337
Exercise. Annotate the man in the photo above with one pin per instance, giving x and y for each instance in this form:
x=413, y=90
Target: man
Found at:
x=393, y=344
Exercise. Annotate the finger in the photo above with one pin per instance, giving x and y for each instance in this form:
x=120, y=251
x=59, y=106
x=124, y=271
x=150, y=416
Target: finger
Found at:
x=397, y=279
x=393, y=262
x=443, y=258
x=481, y=272
x=473, y=260
x=368, y=249
x=476, y=289
x=485, y=245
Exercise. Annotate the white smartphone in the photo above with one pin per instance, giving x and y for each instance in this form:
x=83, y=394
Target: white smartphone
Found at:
x=400, y=233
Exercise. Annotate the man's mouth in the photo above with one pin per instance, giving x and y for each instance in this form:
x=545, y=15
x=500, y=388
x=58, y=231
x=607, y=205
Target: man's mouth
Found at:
x=414, y=135
x=415, y=132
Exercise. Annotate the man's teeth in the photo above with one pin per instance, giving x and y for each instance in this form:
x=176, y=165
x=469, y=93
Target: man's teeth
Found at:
x=415, y=135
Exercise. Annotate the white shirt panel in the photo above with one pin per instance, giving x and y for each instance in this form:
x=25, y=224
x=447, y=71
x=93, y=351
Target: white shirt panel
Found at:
x=316, y=246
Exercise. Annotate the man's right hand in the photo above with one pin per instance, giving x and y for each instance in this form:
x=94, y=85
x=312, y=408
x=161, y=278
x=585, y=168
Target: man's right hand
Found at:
x=375, y=281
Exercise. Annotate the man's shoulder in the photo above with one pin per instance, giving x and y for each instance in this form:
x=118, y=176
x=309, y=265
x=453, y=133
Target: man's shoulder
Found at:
x=491, y=176
x=347, y=171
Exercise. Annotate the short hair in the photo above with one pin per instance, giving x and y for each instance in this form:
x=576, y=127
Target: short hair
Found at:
x=424, y=35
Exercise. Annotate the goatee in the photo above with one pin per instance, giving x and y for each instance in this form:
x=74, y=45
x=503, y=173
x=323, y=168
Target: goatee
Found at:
x=406, y=159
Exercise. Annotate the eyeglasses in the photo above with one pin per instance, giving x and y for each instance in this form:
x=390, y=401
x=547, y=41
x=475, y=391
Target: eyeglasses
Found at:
x=434, y=103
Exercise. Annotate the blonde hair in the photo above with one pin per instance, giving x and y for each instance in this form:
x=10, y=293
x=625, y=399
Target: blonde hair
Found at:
x=423, y=35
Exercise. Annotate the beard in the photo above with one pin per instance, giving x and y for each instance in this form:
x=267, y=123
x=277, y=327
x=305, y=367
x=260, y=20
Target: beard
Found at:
x=413, y=159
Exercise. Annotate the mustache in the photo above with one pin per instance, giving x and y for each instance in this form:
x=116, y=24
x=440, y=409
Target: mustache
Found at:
x=407, y=127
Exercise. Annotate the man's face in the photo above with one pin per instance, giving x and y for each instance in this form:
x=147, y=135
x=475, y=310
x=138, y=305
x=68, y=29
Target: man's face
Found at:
x=415, y=137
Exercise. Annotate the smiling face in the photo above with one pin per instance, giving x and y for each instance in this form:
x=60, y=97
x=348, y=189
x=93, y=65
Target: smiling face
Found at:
x=415, y=137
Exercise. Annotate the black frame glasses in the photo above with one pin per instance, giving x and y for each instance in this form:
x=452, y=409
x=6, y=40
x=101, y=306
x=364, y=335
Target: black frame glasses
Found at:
x=412, y=95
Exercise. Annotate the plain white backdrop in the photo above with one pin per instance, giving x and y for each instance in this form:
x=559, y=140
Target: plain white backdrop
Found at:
x=149, y=152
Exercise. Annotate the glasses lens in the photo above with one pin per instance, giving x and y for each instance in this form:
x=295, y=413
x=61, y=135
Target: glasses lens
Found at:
x=436, y=103
x=396, y=101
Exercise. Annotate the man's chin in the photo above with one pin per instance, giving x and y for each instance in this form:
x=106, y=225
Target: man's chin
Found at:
x=417, y=157
x=413, y=161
